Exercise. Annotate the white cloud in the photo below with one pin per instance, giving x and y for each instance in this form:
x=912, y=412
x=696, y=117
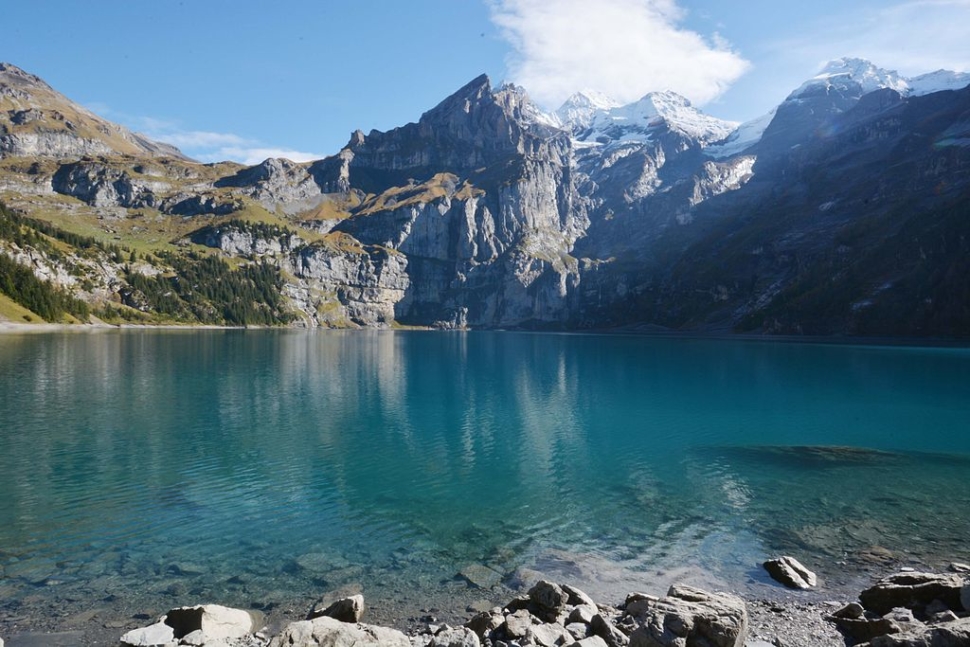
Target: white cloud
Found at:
x=623, y=48
x=204, y=146
x=254, y=155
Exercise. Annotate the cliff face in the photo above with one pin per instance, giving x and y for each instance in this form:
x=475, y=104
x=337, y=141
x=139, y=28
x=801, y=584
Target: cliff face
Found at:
x=841, y=212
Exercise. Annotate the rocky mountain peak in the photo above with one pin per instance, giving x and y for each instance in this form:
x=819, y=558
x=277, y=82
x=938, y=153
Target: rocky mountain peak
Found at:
x=38, y=121
x=638, y=121
x=851, y=75
x=579, y=109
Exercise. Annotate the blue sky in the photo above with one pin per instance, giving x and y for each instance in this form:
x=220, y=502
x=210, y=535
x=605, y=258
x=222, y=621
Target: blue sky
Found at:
x=245, y=80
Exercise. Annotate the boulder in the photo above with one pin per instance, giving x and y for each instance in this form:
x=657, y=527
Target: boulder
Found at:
x=913, y=591
x=150, y=636
x=852, y=610
x=457, y=637
x=349, y=609
x=689, y=616
x=965, y=597
x=330, y=632
x=949, y=634
x=601, y=626
x=579, y=630
x=790, y=572
x=550, y=598
x=863, y=629
x=577, y=596
x=214, y=621
x=518, y=623
x=548, y=635
x=592, y=641
x=583, y=613
x=485, y=623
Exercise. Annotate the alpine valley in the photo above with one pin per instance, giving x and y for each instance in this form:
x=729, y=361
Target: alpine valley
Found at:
x=844, y=211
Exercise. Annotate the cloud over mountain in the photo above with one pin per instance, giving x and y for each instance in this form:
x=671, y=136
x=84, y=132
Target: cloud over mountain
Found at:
x=624, y=48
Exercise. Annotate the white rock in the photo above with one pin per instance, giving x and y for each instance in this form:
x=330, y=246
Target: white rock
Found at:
x=790, y=572
x=329, y=632
x=215, y=621
x=151, y=636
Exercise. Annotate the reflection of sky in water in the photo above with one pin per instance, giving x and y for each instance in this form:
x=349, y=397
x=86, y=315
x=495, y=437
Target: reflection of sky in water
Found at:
x=619, y=455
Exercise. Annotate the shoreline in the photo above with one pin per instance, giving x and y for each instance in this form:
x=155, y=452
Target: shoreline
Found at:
x=785, y=617
x=835, y=340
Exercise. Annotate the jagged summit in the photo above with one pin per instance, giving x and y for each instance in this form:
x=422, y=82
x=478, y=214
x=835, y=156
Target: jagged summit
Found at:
x=636, y=121
x=38, y=121
x=579, y=109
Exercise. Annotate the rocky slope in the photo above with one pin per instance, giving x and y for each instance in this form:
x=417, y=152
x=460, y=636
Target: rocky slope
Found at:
x=841, y=212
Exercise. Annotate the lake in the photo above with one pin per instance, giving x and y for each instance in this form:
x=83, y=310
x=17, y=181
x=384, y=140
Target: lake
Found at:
x=146, y=469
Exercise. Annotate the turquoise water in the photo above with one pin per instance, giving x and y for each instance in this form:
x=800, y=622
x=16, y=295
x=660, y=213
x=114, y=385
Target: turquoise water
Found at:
x=140, y=470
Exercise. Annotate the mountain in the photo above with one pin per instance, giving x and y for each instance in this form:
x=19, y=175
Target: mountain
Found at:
x=841, y=212
x=36, y=120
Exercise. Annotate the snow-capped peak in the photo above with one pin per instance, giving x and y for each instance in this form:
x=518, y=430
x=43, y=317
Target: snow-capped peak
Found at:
x=636, y=120
x=847, y=73
x=579, y=109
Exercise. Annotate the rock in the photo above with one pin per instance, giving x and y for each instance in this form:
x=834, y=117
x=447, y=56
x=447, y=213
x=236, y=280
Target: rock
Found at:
x=349, y=609
x=518, y=623
x=913, y=591
x=959, y=567
x=965, y=597
x=152, y=635
x=196, y=639
x=215, y=621
x=548, y=635
x=457, y=637
x=637, y=603
x=689, y=616
x=485, y=623
x=592, y=641
x=550, y=598
x=602, y=627
x=583, y=613
x=480, y=575
x=579, y=630
x=790, y=572
x=950, y=634
x=330, y=632
x=864, y=629
x=851, y=610
x=577, y=596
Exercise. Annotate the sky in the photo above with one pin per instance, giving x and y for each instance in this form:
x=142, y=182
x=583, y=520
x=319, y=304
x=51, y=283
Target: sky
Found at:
x=241, y=80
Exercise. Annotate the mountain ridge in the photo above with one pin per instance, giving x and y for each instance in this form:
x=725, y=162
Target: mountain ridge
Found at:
x=488, y=213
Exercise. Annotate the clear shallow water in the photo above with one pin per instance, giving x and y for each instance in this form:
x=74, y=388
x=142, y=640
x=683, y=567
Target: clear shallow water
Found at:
x=141, y=470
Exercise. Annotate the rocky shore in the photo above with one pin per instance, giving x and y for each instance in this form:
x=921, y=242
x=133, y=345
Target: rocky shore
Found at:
x=904, y=609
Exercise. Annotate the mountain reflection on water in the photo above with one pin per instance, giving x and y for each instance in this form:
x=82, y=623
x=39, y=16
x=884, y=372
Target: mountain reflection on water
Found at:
x=260, y=468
